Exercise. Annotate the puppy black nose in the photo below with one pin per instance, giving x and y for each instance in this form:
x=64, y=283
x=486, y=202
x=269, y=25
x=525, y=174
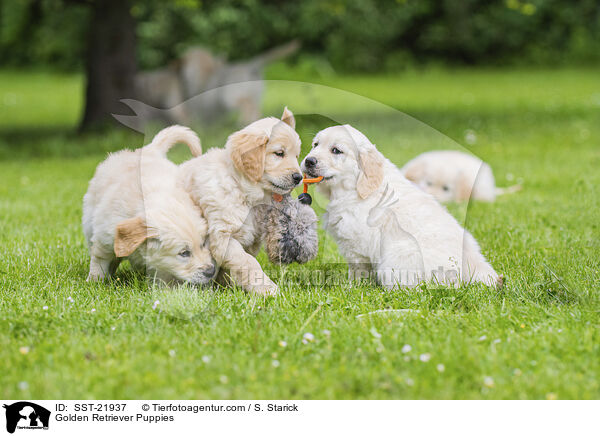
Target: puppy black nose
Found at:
x=297, y=177
x=209, y=271
x=310, y=162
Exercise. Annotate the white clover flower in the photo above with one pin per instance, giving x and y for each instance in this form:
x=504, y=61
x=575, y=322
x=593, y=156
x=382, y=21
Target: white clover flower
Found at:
x=496, y=341
x=440, y=367
x=406, y=348
x=23, y=385
x=275, y=363
x=24, y=350
x=470, y=137
x=425, y=357
x=70, y=299
x=45, y=308
x=172, y=353
x=488, y=382
x=224, y=379
x=282, y=344
x=410, y=382
x=483, y=338
x=326, y=332
x=155, y=305
x=206, y=359
x=93, y=310
x=308, y=337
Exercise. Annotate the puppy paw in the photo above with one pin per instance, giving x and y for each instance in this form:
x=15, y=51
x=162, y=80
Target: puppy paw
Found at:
x=93, y=278
x=500, y=282
x=267, y=290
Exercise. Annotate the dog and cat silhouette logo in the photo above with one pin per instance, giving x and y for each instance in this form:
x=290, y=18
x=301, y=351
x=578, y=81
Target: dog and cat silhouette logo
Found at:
x=26, y=415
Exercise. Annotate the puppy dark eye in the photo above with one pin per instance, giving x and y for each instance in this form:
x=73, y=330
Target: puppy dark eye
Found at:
x=446, y=188
x=336, y=150
x=279, y=153
x=316, y=144
x=185, y=253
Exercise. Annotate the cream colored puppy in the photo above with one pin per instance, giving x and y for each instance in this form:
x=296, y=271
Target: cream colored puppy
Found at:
x=228, y=184
x=454, y=176
x=383, y=223
x=134, y=209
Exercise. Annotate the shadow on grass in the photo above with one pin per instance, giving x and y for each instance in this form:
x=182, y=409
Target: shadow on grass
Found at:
x=64, y=140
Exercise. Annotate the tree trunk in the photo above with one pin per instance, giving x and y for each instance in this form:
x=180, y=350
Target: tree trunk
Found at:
x=110, y=61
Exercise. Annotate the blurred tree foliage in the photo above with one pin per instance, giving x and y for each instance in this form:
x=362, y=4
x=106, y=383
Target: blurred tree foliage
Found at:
x=361, y=35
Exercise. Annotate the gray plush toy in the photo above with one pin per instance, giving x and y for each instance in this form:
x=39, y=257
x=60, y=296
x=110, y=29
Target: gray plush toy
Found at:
x=290, y=229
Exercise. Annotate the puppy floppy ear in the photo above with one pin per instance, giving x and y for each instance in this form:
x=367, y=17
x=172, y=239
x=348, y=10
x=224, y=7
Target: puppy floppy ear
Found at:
x=414, y=171
x=464, y=186
x=371, y=176
x=288, y=118
x=130, y=234
x=248, y=153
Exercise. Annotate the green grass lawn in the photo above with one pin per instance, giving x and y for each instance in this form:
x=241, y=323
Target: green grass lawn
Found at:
x=537, y=338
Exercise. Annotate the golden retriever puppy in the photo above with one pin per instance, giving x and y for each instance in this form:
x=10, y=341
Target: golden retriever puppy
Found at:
x=134, y=209
x=454, y=176
x=229, y=184
x=383, y=223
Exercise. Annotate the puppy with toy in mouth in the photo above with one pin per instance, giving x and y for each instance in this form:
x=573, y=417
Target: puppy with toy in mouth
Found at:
x=258, y=162
x=134, y=209
x=383, y=223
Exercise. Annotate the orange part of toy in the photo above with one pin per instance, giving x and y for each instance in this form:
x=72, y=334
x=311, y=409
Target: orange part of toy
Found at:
x=278, y=197
x=307, y=181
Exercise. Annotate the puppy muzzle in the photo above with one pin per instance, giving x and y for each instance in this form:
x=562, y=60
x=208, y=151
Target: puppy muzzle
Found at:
x=309, y=166
x=204, y=275
x=314, y=170
x=286, y=184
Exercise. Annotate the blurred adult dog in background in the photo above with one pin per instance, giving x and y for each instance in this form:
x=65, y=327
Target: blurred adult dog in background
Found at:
x=194, y=88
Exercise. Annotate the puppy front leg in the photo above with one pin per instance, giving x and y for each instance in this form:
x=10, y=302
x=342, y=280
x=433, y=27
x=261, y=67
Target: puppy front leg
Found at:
x=243, y=267
x=102, y=264
x=359, y=269
x=400, y=270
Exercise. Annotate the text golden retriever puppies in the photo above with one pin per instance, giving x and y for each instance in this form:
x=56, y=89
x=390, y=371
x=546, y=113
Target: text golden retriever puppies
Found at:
x=454, y=176
x=228, y=184
x=383, y=223
x=133, y=208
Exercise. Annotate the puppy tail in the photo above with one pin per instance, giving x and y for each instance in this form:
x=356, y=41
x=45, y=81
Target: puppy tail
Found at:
x=167, y=138
x=508, y=190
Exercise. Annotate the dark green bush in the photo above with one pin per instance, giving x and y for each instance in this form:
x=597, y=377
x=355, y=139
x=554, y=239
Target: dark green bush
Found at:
x=361, y=35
